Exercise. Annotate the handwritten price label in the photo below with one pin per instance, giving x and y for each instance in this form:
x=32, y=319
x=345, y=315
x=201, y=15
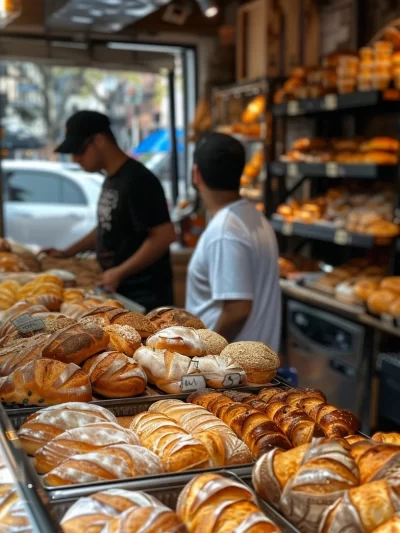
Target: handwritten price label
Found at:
x=232, y=380
x=193, y=382
x=26, y=323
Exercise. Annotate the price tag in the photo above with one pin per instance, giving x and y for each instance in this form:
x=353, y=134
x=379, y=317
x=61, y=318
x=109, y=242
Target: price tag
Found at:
x=193, y=382
x=332, y=170
x=341, y=237
x=26, y=323
x=293, y=170
x=293, y=107
x=232, y=380
x=287, y=228
x=388, y=319
x=330, y=102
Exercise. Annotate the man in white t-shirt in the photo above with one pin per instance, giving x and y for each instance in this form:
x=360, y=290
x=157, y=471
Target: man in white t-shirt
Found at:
x=233, y=277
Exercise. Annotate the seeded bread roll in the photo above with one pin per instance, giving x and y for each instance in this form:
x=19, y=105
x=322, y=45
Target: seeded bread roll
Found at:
x=214, y=343
x=123, y=339
x=165, y=317
x=258, y=360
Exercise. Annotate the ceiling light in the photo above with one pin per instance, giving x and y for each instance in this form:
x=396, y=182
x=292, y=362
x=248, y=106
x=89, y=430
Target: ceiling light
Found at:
x=9, y=10
x=209, y=7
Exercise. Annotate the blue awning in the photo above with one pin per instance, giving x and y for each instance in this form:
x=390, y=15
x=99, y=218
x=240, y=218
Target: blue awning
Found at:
x=159, y=141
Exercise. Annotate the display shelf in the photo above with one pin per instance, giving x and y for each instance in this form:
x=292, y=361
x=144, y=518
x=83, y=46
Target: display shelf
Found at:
x=386, y=101
x=327, y=233
x=332, y=170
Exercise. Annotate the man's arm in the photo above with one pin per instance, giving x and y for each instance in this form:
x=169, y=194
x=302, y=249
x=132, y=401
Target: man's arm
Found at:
x=87, y=243
x=233, y=318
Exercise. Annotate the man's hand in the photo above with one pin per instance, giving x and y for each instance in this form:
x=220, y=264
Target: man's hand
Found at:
x=111, y=279
x=53, y=252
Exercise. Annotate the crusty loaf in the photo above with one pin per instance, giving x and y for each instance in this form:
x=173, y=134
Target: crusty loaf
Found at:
x=392, y=526
x=45, y=382
x=378, y=461
x=176, y=448
x=185, y=341
x=96, y=510
x=389, y=438
x=258, y=360
x=76, y=343
x=326, y=472
x=119, y=461
x=135, y=320
x=114, y=375
x=89, y=438
x=74, y=310
x=41, y=427
x=158, y=519
x=214, y=342
x=20, y=353
x=221, y=442
x=165, y=317
x=123, y=339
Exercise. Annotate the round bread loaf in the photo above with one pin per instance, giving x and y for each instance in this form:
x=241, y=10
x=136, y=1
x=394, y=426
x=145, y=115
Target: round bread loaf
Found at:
x=214, y=342
x=165, y=317
x=258, y=360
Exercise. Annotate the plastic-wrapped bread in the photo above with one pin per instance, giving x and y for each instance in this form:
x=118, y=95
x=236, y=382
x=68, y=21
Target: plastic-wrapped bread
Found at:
x=43, y=426
x=213, y=503
x=158, y=519
x=185, y=341
x=326, y=472
x=362, y=509
x=221, y=442
x=89, y=438
x=96, y=510
x=114, y=375
x=46, y=382
x=177, y=449
x=119, y=461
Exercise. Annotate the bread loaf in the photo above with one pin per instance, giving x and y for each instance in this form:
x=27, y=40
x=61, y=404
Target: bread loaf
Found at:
x=43, y=426
x=13, y=514
x=377, y=461
x=212, y=503
x=222, y=444
x=158, y=519
x=76, y=343
x=119, y=461
x=114, y=375
x=73, y=295
x=89, y=438
x=362, y=508
x=45, y=382
x=135, y=320
x=93, y=512
x=123, y=339
x=389, y=438
x=214, y=343
x=326, y=472
x=258, y=360
x=21, y=353
x=219, y=371
x=176, y=448
x=165, y=317
x=74, y=310
x=185, y=341
x=392, y=526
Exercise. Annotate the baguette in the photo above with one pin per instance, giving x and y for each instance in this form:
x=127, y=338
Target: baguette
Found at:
x=45, y=382
x=119, y=461
x=89, y=438
x=114, y=375
x=158, y=519
x=41, y=427
x=176, y=448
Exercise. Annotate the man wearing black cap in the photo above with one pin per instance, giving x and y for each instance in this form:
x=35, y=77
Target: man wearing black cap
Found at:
x=134, y=230
x=233, y=277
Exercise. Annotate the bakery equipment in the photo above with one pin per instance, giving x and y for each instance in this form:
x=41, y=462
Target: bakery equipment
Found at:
x=328, y=352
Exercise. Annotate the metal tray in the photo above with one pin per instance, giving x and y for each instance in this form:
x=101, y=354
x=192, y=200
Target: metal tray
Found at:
x=166, y=489
x=124, y=406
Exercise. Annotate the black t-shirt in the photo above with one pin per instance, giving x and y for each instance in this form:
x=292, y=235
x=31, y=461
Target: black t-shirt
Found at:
x=132, y=202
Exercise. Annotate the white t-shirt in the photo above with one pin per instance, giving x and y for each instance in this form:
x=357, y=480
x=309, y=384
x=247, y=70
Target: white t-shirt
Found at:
x=236, y=258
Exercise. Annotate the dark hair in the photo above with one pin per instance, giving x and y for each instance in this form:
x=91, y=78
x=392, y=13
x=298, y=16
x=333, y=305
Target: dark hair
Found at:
x=221, y=160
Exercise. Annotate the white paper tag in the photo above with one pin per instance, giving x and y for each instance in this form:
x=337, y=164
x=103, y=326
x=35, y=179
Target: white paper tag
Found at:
x=332, y=170
x=293, y=170
x=287, y=228
x=330, y=102
x=232, y=380
x=193, y=382
x=293, y=107
x=26, y=323
x=341, y=237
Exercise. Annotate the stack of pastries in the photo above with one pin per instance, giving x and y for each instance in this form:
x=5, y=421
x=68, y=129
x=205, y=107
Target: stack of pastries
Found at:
x=378, y=150
x=350, y=484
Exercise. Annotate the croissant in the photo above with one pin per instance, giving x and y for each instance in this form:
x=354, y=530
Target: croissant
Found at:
x=119, y=461
x=327, y=470
x=370, y=505
x=146, y=520
x=80, y=440
x=41, y=427
x=176, y=448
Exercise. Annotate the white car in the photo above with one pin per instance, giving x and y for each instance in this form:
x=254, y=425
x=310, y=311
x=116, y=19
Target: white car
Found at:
x=49, y=204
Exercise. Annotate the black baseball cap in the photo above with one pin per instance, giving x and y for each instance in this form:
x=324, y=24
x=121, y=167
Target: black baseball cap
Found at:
x=80, y=127
x=221, y=159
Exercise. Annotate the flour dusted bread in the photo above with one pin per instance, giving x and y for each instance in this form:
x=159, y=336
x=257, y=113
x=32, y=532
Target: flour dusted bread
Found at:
x=114, y=375
x=76, y=343
x=119, y=461
x=258, y=360
x=165, y=317
x=185, y=341
x=214, y=342
x=123, y=339
x=41, y=427
x=46, y=382
x=89, y=438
